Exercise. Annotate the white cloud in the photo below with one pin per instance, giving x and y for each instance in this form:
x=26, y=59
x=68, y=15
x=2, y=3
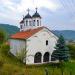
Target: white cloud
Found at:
x=24, y=4
x=36, y=3
x=12, y=11
x=16, y=9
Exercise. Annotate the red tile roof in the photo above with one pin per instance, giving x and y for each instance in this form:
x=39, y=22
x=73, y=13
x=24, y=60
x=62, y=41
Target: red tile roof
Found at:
x=26, y=34
x=22, y=21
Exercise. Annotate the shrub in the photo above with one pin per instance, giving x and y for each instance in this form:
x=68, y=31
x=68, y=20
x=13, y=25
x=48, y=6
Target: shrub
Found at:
x=3, y=36
x=72, y=50
x=5, y=48
x=1, y=64
x=10, y=69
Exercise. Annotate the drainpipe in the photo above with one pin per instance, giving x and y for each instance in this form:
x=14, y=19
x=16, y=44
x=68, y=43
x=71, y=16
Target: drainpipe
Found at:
x=25, y=49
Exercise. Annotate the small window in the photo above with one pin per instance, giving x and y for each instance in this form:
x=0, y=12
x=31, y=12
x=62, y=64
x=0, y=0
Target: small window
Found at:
x=37, y=22
x=46, y=42
x=30, y=23
x=34, y=23
x=26, y=23
x=40, y=23
x=21, y=26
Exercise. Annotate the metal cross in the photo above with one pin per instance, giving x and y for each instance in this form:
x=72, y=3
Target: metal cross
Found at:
x=28, y=10
x=36, y=9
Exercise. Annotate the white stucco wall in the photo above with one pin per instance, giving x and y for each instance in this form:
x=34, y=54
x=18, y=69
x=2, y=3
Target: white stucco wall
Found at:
x=37, y=43
x=32, y=26
x=34, y=44
x=16, y=45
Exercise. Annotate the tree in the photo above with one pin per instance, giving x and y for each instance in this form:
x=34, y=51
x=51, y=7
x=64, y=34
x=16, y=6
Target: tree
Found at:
x=62, y=51
x=21, y=55
x=72, y=50
x=2, y=36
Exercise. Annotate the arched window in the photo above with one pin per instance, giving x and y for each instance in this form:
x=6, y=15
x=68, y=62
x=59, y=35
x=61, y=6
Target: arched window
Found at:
x=46, y=42
x=37, y=57
x=40, y=23
x=30, y=23
x=37, y=22
x=21, y=26
x=46, y=57
x=33, y=22
x=26, y=23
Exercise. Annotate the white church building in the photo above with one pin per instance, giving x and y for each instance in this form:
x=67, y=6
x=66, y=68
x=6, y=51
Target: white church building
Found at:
x=38, y=40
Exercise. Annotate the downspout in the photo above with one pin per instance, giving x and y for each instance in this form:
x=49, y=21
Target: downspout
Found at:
x=25, y=49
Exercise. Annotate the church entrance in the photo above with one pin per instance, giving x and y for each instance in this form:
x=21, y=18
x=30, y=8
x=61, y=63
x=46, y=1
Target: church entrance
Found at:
x=37, y=57
x=46, y=57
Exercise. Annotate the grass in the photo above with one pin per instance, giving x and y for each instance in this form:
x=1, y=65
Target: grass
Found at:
x=10, y=65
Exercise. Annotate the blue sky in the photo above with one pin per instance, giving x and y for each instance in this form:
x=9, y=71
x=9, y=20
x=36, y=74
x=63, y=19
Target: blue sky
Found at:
x=56, y=14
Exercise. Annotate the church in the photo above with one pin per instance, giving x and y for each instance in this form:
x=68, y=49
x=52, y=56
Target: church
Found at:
x=37, y=39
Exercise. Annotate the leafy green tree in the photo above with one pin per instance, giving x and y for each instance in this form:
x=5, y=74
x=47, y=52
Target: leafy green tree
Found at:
x=2, y=36
x=4, y=48
x=62, y=51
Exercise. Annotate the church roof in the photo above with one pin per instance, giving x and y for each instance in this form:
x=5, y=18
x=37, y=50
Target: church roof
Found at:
x=36, y=15
x=22, y=21
x=26, y=34
x=27, y=16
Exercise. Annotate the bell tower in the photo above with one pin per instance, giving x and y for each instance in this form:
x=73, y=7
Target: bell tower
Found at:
x=27, y=21
x=30, y=22
x=36, y=19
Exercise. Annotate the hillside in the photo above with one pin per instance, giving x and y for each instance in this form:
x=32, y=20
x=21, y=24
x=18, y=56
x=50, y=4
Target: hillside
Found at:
x=10, y=29
x=68, y=34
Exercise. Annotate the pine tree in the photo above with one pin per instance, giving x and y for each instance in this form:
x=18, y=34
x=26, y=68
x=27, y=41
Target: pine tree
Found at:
x=62, y=51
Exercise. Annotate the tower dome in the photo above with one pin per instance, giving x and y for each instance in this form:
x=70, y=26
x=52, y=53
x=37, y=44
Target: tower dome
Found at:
x=36, y=15
x=28, y=15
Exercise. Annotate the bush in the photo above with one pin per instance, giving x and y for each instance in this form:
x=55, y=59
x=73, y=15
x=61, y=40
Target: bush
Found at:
x=72, y=50
x=3, y=36
x=9, y=69
x=1, y=64
x=5, y=48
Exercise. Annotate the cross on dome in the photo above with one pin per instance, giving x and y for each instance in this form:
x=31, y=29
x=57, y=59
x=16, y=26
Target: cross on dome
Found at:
x=36, y=9
x=28, y=10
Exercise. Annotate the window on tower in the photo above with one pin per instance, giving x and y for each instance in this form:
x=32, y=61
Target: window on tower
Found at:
x=37, y=22
x=33, y=22
x=26, y=23
x=30, y=23
x=40, y=23
x=21, y=26
x=46, y=42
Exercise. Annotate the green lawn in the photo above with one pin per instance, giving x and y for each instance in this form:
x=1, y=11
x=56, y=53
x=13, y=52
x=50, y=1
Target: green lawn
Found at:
x=10, y=65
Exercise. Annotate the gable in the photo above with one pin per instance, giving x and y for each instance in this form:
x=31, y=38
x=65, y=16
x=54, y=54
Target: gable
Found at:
x=32, y=32
x=45, y=32
x=26, y=34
